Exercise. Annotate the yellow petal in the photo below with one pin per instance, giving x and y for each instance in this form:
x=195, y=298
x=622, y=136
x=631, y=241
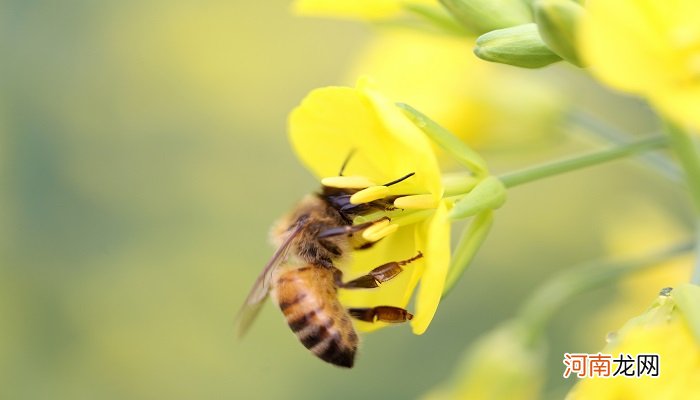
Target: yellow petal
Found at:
x=333, y=122
x=683, y=106
x=433, y=73
x=617, y=40
x=679, y=365
x=650, y=48
x=396, y=292
x=327, y=127
x=413, y=150
x=435, y=239
x=437, y=75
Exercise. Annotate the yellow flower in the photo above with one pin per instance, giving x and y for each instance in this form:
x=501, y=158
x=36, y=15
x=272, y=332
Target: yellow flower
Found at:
x=650, y=48
x=669, y=329
x=499, y=366
x=361, y=9
x=640, y=228
x=331, y=123
x=439, y=75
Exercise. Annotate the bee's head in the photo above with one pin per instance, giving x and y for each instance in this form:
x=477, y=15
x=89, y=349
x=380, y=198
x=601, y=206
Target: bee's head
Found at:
x=339, y=198
x=338, y=192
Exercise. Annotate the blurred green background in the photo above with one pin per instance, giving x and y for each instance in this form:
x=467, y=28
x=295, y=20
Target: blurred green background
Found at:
x=143, y=157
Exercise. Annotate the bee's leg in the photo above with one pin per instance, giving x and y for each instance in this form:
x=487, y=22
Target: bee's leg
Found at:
x=376, y=276
x=380, y=313
x=365, y=245
x=348, y=229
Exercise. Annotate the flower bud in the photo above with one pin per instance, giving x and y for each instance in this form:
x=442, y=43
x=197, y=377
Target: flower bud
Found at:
x=520, y=46
x=557, y=21
x=481, y=16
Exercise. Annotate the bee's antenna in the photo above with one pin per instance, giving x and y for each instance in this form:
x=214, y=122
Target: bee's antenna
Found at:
x=347, y=160
x=403, y=178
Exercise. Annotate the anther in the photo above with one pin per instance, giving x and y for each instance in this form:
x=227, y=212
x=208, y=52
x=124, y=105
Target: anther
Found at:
x=369, y=194
x=347, y=182
x=383, y=230
x=380, y=224
x=416, y=202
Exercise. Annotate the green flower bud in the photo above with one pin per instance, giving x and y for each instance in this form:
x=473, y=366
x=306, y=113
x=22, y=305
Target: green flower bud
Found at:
x=520, y=45
x=489, y=194
x=482, y=16
x=557, y=21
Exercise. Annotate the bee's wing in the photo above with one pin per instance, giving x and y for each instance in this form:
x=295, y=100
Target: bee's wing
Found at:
x=255, y=300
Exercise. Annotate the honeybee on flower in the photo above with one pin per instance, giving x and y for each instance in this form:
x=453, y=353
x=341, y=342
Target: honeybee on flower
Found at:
x=379, y=220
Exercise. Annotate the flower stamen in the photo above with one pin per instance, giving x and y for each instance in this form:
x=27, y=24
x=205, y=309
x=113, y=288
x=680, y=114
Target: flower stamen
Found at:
x=347, y=182
x=379, y=231
x=369, y=194
x=416, y=202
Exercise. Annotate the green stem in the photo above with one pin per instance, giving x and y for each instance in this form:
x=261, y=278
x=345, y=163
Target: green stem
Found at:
x=555, y=293
x=570, y=164
x=688, y=155
x=597, y=129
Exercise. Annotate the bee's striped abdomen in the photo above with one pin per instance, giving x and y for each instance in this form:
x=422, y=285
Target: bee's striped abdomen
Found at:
x=307, y=298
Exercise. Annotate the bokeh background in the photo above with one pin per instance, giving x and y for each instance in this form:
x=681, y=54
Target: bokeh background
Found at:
x=143, y=157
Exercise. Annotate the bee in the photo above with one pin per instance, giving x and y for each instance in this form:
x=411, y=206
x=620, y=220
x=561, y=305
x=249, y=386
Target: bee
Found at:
x=303, y=275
